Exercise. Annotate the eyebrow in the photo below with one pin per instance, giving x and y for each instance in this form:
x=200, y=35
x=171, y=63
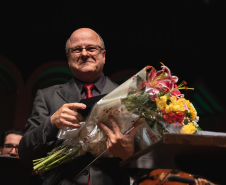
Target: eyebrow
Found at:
x=81, y=47
x=10, y=144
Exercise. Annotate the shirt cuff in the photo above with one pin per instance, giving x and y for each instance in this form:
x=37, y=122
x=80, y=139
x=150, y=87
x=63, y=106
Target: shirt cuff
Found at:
x=50, y=130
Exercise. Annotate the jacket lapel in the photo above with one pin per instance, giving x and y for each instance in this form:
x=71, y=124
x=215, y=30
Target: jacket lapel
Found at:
x=70, y=92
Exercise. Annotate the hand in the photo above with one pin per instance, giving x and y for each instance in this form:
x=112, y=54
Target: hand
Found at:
x=67, y=116
x=200, y=181
x=118, y=144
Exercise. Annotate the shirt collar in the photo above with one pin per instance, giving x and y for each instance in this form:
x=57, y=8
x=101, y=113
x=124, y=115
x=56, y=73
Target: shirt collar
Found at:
x=99, y=83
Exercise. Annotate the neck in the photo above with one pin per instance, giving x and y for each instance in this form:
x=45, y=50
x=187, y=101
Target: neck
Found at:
x=88, y=78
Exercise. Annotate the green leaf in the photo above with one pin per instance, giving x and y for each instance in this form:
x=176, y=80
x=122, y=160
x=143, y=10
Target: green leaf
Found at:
x=168, y=95
x=161, y=94
x=160, y=130
x=151, y=123
x=188, y=114
x=198, y=128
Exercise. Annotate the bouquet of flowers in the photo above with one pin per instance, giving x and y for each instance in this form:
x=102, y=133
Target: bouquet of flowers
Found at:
x=150, y=94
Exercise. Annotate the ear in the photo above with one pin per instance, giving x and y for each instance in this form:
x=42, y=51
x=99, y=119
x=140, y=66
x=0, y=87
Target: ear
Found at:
x=68, y=60
x=104, y=53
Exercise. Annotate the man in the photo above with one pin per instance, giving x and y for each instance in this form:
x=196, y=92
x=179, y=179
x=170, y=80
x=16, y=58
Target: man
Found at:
x=56, y=107
x=11, y=140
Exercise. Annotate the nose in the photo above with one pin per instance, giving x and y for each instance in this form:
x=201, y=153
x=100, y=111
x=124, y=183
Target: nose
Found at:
x=13, y=153
x=84, y=52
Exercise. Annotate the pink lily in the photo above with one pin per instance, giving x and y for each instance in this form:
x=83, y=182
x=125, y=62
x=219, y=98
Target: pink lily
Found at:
x=160, y=81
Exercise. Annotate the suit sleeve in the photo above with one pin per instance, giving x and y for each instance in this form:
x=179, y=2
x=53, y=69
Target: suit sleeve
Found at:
x=33, y=144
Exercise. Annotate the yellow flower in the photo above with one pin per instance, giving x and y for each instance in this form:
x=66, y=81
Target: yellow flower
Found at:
x=192, y=110
x=176, y=105
x=188, y=129
x=173, y=99
x=161, y=103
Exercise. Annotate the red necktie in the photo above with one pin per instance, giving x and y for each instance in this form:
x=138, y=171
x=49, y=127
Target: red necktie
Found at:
x=88, y=88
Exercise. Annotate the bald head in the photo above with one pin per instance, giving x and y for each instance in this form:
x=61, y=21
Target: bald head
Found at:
x=83, y=30
x=86, y=65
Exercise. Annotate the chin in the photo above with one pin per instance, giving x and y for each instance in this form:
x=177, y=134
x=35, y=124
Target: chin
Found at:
x=88, y=69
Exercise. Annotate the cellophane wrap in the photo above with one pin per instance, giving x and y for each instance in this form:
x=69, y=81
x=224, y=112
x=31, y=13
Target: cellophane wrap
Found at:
x=140, y=96
x=93, y=139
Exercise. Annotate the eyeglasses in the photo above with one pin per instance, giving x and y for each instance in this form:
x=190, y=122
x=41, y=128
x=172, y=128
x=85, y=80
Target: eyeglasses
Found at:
x=91, y=50
x=9, y=147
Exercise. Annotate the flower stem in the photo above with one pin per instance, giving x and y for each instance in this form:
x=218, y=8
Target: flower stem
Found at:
x=49, y=159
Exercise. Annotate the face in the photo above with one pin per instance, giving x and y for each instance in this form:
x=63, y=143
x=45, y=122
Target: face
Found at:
x=86, y=67
x=14, y=140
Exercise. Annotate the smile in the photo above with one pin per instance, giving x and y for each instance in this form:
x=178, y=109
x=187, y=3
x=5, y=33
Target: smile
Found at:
x=83, y=62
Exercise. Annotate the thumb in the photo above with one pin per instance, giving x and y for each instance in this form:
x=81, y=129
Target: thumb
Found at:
x=76, y=106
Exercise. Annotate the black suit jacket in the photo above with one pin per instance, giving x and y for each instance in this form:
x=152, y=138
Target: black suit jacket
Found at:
x=33, y=145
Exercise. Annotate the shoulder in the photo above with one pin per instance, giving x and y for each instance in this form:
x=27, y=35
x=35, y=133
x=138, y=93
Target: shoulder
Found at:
x=110, y=82
x=54, y=88
x=109, y=86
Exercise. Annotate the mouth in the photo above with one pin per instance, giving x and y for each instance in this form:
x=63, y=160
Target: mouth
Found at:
x=84, y=62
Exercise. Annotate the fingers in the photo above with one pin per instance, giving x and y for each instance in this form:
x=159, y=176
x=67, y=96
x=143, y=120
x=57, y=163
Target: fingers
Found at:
x=109, y=145
x=76, y=106
x=67, y=115
x=71, y=115
x=105, y=129
x=119, y=145
x=196, y=182
x=201, y=181
x=69, y=124
x=114, y=124
x=115, y=128
x=72, y=119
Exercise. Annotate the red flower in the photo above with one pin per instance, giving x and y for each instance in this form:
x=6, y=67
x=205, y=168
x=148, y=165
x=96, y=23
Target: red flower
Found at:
x=172, y=117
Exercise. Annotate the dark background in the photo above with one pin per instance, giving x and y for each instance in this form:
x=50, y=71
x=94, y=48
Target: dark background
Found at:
x=188, y=36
